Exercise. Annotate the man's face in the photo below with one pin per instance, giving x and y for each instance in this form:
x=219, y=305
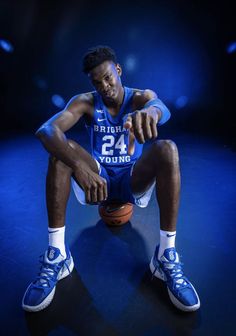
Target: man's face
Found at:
x=106, y=80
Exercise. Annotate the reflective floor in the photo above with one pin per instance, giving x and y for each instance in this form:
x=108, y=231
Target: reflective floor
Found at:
x=110, y=291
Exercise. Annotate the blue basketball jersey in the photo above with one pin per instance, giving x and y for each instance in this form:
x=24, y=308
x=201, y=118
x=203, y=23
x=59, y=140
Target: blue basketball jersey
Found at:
x=109, y=139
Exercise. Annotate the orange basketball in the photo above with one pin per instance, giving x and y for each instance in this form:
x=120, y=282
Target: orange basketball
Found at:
x=115, y=213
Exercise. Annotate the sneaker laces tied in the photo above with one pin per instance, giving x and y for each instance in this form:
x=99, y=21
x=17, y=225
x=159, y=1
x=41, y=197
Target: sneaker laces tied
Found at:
x=175, y=272
x=48, y=273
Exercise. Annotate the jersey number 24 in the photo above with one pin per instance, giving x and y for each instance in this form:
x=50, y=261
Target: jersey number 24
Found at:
x=109, y=144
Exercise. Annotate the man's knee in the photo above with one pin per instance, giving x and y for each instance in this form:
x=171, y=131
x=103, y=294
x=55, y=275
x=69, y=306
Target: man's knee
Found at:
x=166, y=149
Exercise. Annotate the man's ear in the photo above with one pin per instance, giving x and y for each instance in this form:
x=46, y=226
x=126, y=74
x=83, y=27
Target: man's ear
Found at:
x=119, y=69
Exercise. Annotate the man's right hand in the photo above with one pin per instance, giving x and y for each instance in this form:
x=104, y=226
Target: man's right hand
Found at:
x=94, y=186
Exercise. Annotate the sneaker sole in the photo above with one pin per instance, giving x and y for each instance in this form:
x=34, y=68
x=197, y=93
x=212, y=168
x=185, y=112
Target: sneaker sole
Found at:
x=173, y=299
x=46, y=302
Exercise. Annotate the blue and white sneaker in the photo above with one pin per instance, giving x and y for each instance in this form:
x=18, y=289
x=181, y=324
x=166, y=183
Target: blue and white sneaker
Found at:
x=181, y=292
x=53, y=268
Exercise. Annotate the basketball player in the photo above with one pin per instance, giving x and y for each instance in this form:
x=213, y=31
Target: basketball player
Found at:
x=119, y=120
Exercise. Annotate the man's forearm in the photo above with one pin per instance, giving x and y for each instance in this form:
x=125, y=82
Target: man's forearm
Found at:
x=161, y=109
x=55, y=142
x=153, y=111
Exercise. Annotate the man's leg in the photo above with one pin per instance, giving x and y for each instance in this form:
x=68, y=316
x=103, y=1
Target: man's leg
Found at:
x=57, y=262
x=58, y=185
x=161, y=164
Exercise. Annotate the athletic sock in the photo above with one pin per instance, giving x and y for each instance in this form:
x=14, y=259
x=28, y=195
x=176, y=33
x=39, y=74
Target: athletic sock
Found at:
x=57, y=239
x=167, y=240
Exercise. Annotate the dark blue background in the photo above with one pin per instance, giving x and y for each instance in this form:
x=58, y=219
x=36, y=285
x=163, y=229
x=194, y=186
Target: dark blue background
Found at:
x=177, y=48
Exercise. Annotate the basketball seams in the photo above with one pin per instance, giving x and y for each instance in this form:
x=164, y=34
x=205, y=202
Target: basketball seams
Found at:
x=115, y=216
x=119, y=217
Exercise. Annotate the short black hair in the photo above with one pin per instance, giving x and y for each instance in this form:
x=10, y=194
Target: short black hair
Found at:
x=97, y=55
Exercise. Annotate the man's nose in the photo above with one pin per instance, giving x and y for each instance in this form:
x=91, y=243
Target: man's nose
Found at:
x=105, y=85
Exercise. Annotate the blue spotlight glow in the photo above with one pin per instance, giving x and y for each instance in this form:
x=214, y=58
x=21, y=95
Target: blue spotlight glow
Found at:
x=40, y=82
x=231, y=48
x=58, y=101
x=6, y=46
x=133, y=34
x=130, y=63
x=181, y=102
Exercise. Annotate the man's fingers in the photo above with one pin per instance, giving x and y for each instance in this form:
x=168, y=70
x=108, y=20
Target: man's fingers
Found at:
x=138, y=130
x=147, y=128
x=102, y=190
x=97, y=191
x=87, y=195
x=153, y=128
x=105, y=193
x=94, y=193
x=128, y=123
x=131, y=147
x=141, y=127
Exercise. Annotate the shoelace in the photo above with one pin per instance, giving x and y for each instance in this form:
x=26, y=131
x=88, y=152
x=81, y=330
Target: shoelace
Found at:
x=175, y=272
x=48, y=273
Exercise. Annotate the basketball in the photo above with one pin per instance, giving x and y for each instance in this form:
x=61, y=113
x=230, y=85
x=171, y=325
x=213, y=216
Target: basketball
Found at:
x=115, y=213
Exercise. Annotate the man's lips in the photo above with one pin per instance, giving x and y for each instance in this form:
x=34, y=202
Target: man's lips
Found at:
x=109, y=93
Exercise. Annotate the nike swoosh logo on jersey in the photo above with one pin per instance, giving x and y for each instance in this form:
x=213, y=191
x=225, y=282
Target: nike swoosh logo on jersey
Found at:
x=100, y=111
x=101, y=119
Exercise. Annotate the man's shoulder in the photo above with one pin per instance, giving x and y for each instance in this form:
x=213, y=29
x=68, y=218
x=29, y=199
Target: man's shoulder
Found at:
x=141, y=97
x=82, y=103
x=86, y=97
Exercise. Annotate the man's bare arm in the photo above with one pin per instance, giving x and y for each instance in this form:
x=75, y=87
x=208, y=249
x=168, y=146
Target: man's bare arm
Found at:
x=142, y=123
x=52, y=132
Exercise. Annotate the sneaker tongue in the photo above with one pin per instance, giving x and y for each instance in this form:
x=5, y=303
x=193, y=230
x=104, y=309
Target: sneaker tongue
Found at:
x=53, y=255
x=171, y=255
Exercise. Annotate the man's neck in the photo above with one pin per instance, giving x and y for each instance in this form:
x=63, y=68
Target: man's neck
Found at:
x=116, y=104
